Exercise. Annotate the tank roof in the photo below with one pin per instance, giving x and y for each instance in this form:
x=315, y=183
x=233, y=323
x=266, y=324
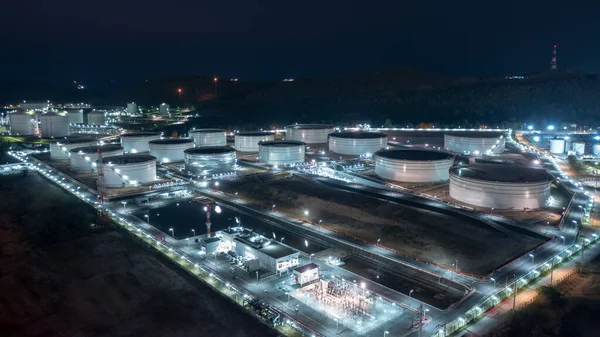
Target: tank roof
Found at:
x=358, y=135
x=281, y=143
x=171, y=141
x=310, y=126
x=139, y=134
x=256, y=133
x=52, y=114
x=74, y=140
x=209, y=150
x=94, y=148
x=416, y=155
x=502, y=173
x=128, y=159
x=206, y=130
x=96, y=112
x=476, y=134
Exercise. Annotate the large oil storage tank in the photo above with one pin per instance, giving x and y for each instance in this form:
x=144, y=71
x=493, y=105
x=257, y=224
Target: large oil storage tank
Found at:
x=209, y=137
x=357, y=143
x=209, y=159
x=54, y=125
x=476, y=143
x=500, y=186
x=413, y=165
x=281, y=152
x=96, y=117
x=170, y=149
x=596, y=149
x=309, y=133
x=137, y=142
x=557, y=146
x=60, y=148
x=22, y=124
x=579, y=148
x=83, y=159
x=248, y=141
x=75, y=116
x=128, y=169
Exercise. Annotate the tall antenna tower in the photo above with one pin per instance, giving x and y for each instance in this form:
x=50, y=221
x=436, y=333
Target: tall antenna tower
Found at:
x=553, y=63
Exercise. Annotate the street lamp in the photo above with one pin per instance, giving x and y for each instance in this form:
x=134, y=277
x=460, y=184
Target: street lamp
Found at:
x=311, y=255
x=385, y=333
x=172, y=232
x=123, y=202
x=273, y=207
x=378, y=241
x=563, y=238
x=194, y=231
x=532, y=258
x=147, y=216
x=493, y=279
x=410, y=292
x=305, y=212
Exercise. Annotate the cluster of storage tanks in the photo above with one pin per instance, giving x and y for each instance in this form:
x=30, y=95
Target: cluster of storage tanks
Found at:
x=560, y=146
x=51, y=124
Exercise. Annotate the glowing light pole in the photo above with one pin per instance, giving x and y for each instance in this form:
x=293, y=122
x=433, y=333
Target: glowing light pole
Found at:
x=216, y=92
x=172, y=232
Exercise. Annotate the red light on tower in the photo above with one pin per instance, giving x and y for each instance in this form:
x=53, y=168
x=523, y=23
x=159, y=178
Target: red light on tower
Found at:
x=179, y=92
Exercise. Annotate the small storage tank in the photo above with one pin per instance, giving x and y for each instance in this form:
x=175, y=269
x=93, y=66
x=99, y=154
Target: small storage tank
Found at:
x=579, y=148
x=96, y=118
x=128, y=170
x=557, y=146
x=169, y=150
x=60, y=148
x=281, y=152
x=248, y=141
x=596, y=149
x=75, y=116
x=132, y=108
x=138, y=141
x=209, y=159
x=22, y=124
x=209, y=137
x=83, y=159
x=53, y=125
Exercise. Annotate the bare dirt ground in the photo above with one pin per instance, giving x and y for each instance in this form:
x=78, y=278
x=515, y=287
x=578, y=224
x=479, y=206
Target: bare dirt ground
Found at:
x=427, y=235
x=60, y=277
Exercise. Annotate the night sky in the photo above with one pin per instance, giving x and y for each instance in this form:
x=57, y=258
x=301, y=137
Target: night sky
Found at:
x=126, y=41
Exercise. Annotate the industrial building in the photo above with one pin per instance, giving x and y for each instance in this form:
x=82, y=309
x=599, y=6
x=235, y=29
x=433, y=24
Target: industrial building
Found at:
x=557, y=146
x=137, y=142
x=309, y=133
x=128, y=170
x=204, y=160
x=257, y=251
x=306, y=273
x=169, y=150
x=500, y=186
x=248, y=141
x=475, y=143
x=22, y=124
x=281, y=152
x=59, y=149
x=164, y=109
x=132, y=108
x=96, y=117
x=54, y=125
x=83, y=159
x=413, y=165
x=357, y=143
x=209, y=137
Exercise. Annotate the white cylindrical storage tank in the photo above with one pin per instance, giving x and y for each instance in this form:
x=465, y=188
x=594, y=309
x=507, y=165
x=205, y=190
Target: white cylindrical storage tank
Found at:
x=54, y=125
x=209, y=137
x=281, y=152
x=357, y=143
x=21, y=124
x=500, y=186
x=418, y=166
x=579, y=148
x=128, y=170
x=132, y=108
x=138, y=141
x=75, y=116
x=476, y=143
x=96, y=118
x=83, y=159
x=596, y=149
x=169, y=150
x=309, y=133
x=248, y=141
x=59, y=149
x=209, y=159
x=557, y=146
